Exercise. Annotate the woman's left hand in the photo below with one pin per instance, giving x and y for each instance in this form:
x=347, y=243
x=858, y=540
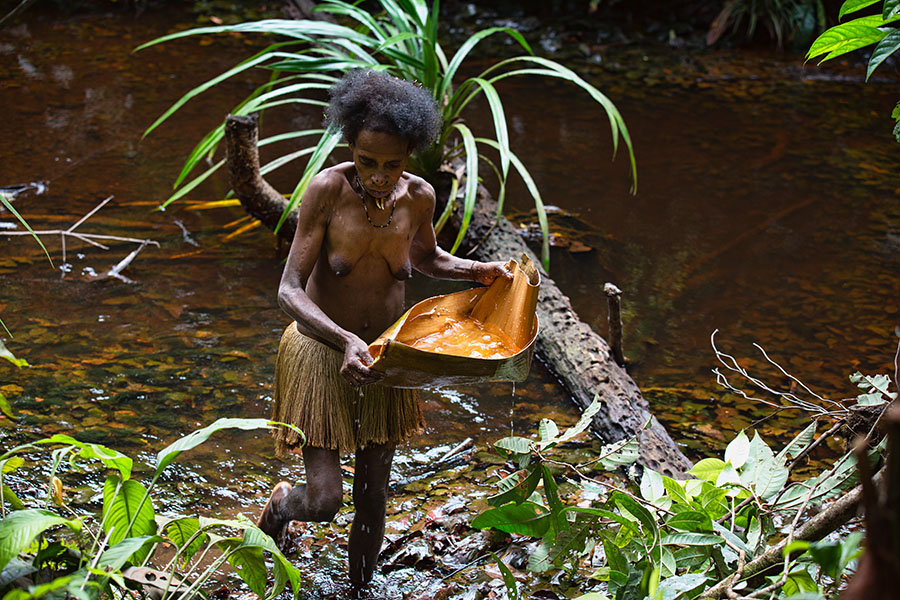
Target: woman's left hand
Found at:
x=486, y=273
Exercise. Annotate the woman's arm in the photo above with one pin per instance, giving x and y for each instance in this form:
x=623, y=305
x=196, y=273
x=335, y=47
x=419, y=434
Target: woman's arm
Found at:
x=429, y=258
x=312, y=223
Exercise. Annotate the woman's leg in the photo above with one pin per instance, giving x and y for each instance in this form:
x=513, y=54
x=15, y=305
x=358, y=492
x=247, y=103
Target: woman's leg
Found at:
x=370, y=481
x=318, y=499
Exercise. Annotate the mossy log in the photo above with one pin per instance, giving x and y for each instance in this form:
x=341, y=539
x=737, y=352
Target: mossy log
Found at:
x=572, y=350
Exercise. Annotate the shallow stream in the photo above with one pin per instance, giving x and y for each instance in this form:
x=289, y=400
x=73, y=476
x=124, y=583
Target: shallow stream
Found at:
x=767, y=208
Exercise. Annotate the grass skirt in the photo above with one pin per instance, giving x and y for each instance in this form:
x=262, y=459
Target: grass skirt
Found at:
x=311, y=394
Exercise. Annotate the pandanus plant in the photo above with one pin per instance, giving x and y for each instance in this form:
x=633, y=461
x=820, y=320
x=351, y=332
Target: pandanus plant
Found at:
x=401, y=39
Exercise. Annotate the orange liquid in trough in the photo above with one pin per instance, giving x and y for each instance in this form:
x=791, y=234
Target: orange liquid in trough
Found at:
x=464, y=336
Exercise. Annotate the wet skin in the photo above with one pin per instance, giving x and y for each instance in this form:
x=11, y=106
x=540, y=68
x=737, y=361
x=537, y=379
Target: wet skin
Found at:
x=344, y=284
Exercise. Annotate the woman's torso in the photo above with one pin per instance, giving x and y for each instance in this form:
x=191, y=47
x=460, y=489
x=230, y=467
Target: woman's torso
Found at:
x=358, y=279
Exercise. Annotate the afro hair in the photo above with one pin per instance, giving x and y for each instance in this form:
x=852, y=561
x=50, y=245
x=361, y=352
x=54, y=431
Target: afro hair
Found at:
x=374, y=100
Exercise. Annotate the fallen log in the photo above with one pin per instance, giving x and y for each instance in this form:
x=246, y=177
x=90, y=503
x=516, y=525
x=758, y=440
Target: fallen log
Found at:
x=573, y=351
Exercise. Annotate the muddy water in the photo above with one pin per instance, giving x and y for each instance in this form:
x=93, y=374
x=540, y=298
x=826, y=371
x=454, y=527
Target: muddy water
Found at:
x=192, y=334
x=766, y=208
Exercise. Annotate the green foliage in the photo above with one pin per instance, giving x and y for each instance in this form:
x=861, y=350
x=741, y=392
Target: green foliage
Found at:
x=401, y=38
x=860, y=33
x=674, y=539
x=95, y=553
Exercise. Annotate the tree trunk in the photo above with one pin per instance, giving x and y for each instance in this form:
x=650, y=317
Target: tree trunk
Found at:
x=579, y=357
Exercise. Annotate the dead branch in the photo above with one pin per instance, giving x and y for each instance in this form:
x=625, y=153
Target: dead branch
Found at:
x=614, y=300
x=794, y=401
x=91, y=238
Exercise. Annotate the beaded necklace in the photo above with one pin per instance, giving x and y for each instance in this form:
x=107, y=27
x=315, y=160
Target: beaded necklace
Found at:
x=361, y=192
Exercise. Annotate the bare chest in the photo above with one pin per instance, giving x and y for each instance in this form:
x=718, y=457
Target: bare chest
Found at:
x=374, y=240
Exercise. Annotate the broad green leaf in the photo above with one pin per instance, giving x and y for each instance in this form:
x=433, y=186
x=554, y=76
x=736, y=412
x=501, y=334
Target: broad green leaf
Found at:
x=571, y=541
x=539, y=560
x=692, y=539
x=652, y=488
x=728, y=477
x=890, y=9
x=851, y=6
x=593, y=596
x=633, y=509
x=712, y=500
x=668, y=564
x=516, y=488
x=738, y=450
x=551, y=489
x=19, y=528
x=847, y=37
x=691, y=520
x=691, y=557
x=800, y=443
x=115, y=557
x=526, y=518
x=548, y=431
x=708, y=469
x=615, y=557
x=6, y=409
x=675, y=490
x=799, y=581
x=10, y=496
x=184, y=533
x=620, y=454
x=127, y=502
x=11, y=464
x=251, y=566
x=109, y=457
x=285, y=571
x=192, y=440
x=766, y=474
x=733, y=539
x=513, y=444
x=509, y=581
x=671, y=588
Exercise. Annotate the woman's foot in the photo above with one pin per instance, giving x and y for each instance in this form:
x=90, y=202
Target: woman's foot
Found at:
x=272, y=521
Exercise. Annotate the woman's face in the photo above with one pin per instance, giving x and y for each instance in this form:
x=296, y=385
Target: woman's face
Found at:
x=380, y=159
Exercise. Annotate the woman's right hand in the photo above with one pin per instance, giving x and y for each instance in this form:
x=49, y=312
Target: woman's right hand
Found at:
x=355, y=367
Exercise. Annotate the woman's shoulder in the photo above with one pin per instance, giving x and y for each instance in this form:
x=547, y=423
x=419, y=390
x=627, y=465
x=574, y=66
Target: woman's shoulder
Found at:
x=331, y=178
x=419, y=189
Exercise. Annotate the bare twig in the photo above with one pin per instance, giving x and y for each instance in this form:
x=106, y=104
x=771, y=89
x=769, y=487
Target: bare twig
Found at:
x=795, y=402
x=89, y=215
x=729, y=589
x=91, y=238
x=813, y=445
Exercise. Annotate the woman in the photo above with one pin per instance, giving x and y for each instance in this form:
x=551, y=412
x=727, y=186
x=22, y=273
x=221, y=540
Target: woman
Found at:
x=362, y=228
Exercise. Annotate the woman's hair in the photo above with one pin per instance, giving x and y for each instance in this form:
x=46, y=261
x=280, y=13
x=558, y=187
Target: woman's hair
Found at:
x=366, y=99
